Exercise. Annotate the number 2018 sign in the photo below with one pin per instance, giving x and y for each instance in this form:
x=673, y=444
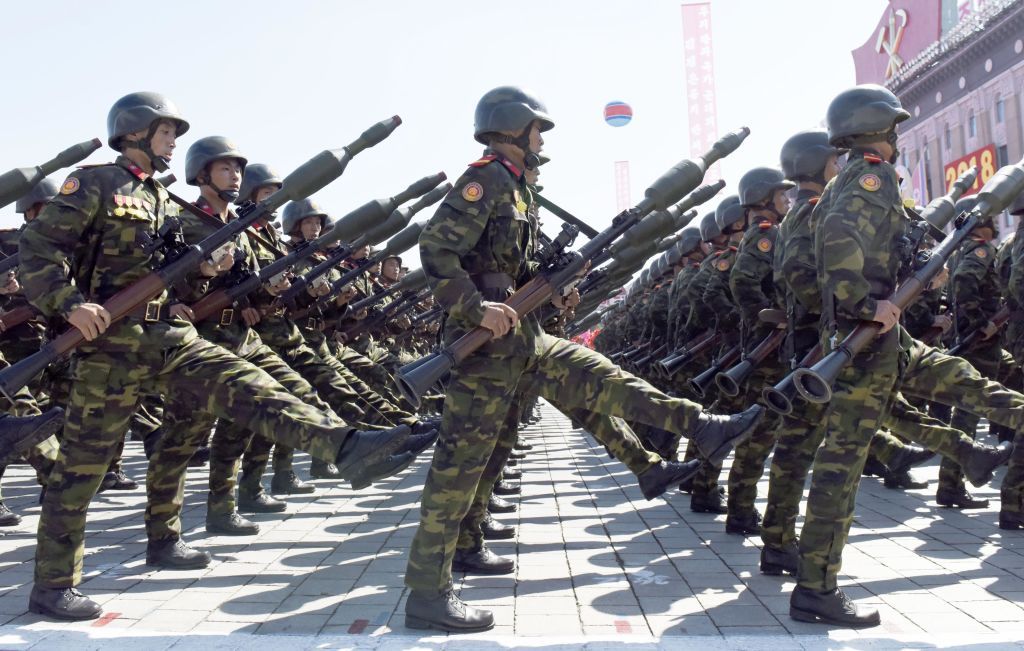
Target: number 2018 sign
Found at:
x=984, y=159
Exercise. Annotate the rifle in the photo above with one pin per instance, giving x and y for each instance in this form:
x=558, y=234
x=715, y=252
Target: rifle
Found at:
x=399, y=243
x=393, y=309
x=564, y=268
x=729, y=382
x=999, y=319
x=17, y=182
x=359, y=219
x=565, y=215
x=414, y=280
x=700, y=384
x=313, y=175
x=779, y=398
x=815, y=383
x=670, y=365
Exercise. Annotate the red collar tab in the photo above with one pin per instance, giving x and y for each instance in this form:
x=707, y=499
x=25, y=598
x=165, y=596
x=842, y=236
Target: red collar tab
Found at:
x=765, y=224
x=136, y=171
x=814, y=201
x=872, y=158
x=733, y=248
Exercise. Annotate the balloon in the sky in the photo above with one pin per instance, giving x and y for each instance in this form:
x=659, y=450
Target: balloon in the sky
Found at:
x=618, y=114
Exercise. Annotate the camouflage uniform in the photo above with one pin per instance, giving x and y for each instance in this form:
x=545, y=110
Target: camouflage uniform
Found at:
x=103, y=221
x=475, y=248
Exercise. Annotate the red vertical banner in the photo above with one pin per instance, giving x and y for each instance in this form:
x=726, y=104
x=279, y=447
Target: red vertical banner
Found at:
x=699, y=65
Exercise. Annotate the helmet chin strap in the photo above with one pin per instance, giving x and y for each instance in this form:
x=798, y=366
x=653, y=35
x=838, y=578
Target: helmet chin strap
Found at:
x=159, y=163
x=531, y=161
x=891, y=138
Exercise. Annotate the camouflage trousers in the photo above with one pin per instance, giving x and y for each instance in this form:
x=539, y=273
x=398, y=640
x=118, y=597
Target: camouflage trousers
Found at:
x=42, y=456
x=861, y=397
x=480, y=393
x=107, y=388
x=997, y=364
x=185, y=427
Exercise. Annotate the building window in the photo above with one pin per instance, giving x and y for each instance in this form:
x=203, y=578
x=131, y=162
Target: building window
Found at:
x=1000, y=110
x=1002, y=156
x=972, y=125
x=947, y=138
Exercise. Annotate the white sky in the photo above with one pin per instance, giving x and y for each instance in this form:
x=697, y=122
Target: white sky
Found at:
x=288, y=79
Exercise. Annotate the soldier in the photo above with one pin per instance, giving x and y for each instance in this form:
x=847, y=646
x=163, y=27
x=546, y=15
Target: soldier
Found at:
x=475, y=251
x=102, y=222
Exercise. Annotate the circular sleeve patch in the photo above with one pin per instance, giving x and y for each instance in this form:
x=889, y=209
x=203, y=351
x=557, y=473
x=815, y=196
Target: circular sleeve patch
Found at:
x=870, y=182
x=70, y=186
x=981, y=252
x=473, y=191
x=722, y=265
x=764, y=245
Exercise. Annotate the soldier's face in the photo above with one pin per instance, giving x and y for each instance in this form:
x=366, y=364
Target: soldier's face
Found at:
x=33, y=212
x=164, y=140
x=390, y=269
x=265, y=192
x=831, y=168
x=361, y=252
x=310, y=227
x=226, y=174
x=781, y=201
x=536, y=140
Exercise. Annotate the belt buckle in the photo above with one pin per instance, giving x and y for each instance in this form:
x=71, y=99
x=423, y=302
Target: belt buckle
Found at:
x=152, y=312
x=311, y=323
x=227, y=316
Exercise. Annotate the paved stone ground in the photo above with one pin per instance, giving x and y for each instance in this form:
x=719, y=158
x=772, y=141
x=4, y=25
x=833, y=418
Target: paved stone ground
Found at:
x=598, y=567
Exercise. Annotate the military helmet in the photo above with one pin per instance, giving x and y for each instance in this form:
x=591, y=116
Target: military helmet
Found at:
x=42, y=192
x=731, y=200
x=508, y=108
x=709, y=229
x=255, y=177
x=206, y=150
x=137, y=112
x=733, y=214
x=757, y=186
x=804, y=155
x=296, y=211
x=689, y=239
x=645, y=278
x=864, y=109
x=672, y=256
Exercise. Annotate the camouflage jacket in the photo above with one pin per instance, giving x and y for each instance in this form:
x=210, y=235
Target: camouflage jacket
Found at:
x=102, y=225
x=481, y=230
x=796, y=276
x=857, y=242
x=920, y=315
x=25, y=338
x=700, y=316
x=225, y=328
x=717, y=293
x=679, y=302
x=275, y=328
x=657, y=312
x=750, y=280
x=974, y=287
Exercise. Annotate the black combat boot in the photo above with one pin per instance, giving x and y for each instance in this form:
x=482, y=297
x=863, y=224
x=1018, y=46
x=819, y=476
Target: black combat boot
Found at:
x=713, y=502
x=498, y=505
x=716, y=436
x=62, y=603
x=776, y=562
x=511, y=473
x=285, y=482
x=666, y=474
x=481, y=561
x=981, y=461
x=522, y=445
x=907, y=457
x=1011, y=520
x=363, y=449
x=230, y=524
x=517, y=455
x=959, y=498
x=507, y=488
x=118, y=481
x=8, y=518
x=903, y=481
x=494, y=530
x=445, y=612
x=18, y=434
x=873, y=468
x=832, y=607
x=175, y=555
x=743, y=524
x=257, y=501
x=319, y=469
x=662, y=441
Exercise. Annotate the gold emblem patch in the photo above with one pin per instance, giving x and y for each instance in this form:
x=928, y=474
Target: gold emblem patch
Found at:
x=764, y=244
x=70, y=186
x=722, y=265
x=981, y=252
x=870, y=182
x=473, y=191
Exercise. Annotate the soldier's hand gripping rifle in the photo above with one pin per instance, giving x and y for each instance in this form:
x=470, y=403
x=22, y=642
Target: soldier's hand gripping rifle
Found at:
x=17, y=182
x=394, y=309
x=413, y=281
x=815, y=383
x=404, y=240
x=355, y=222
x=999, y=319
x=414, y=379
x=313, y=175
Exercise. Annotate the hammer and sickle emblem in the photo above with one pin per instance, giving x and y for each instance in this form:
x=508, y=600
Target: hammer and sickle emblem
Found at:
x=889, y=38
